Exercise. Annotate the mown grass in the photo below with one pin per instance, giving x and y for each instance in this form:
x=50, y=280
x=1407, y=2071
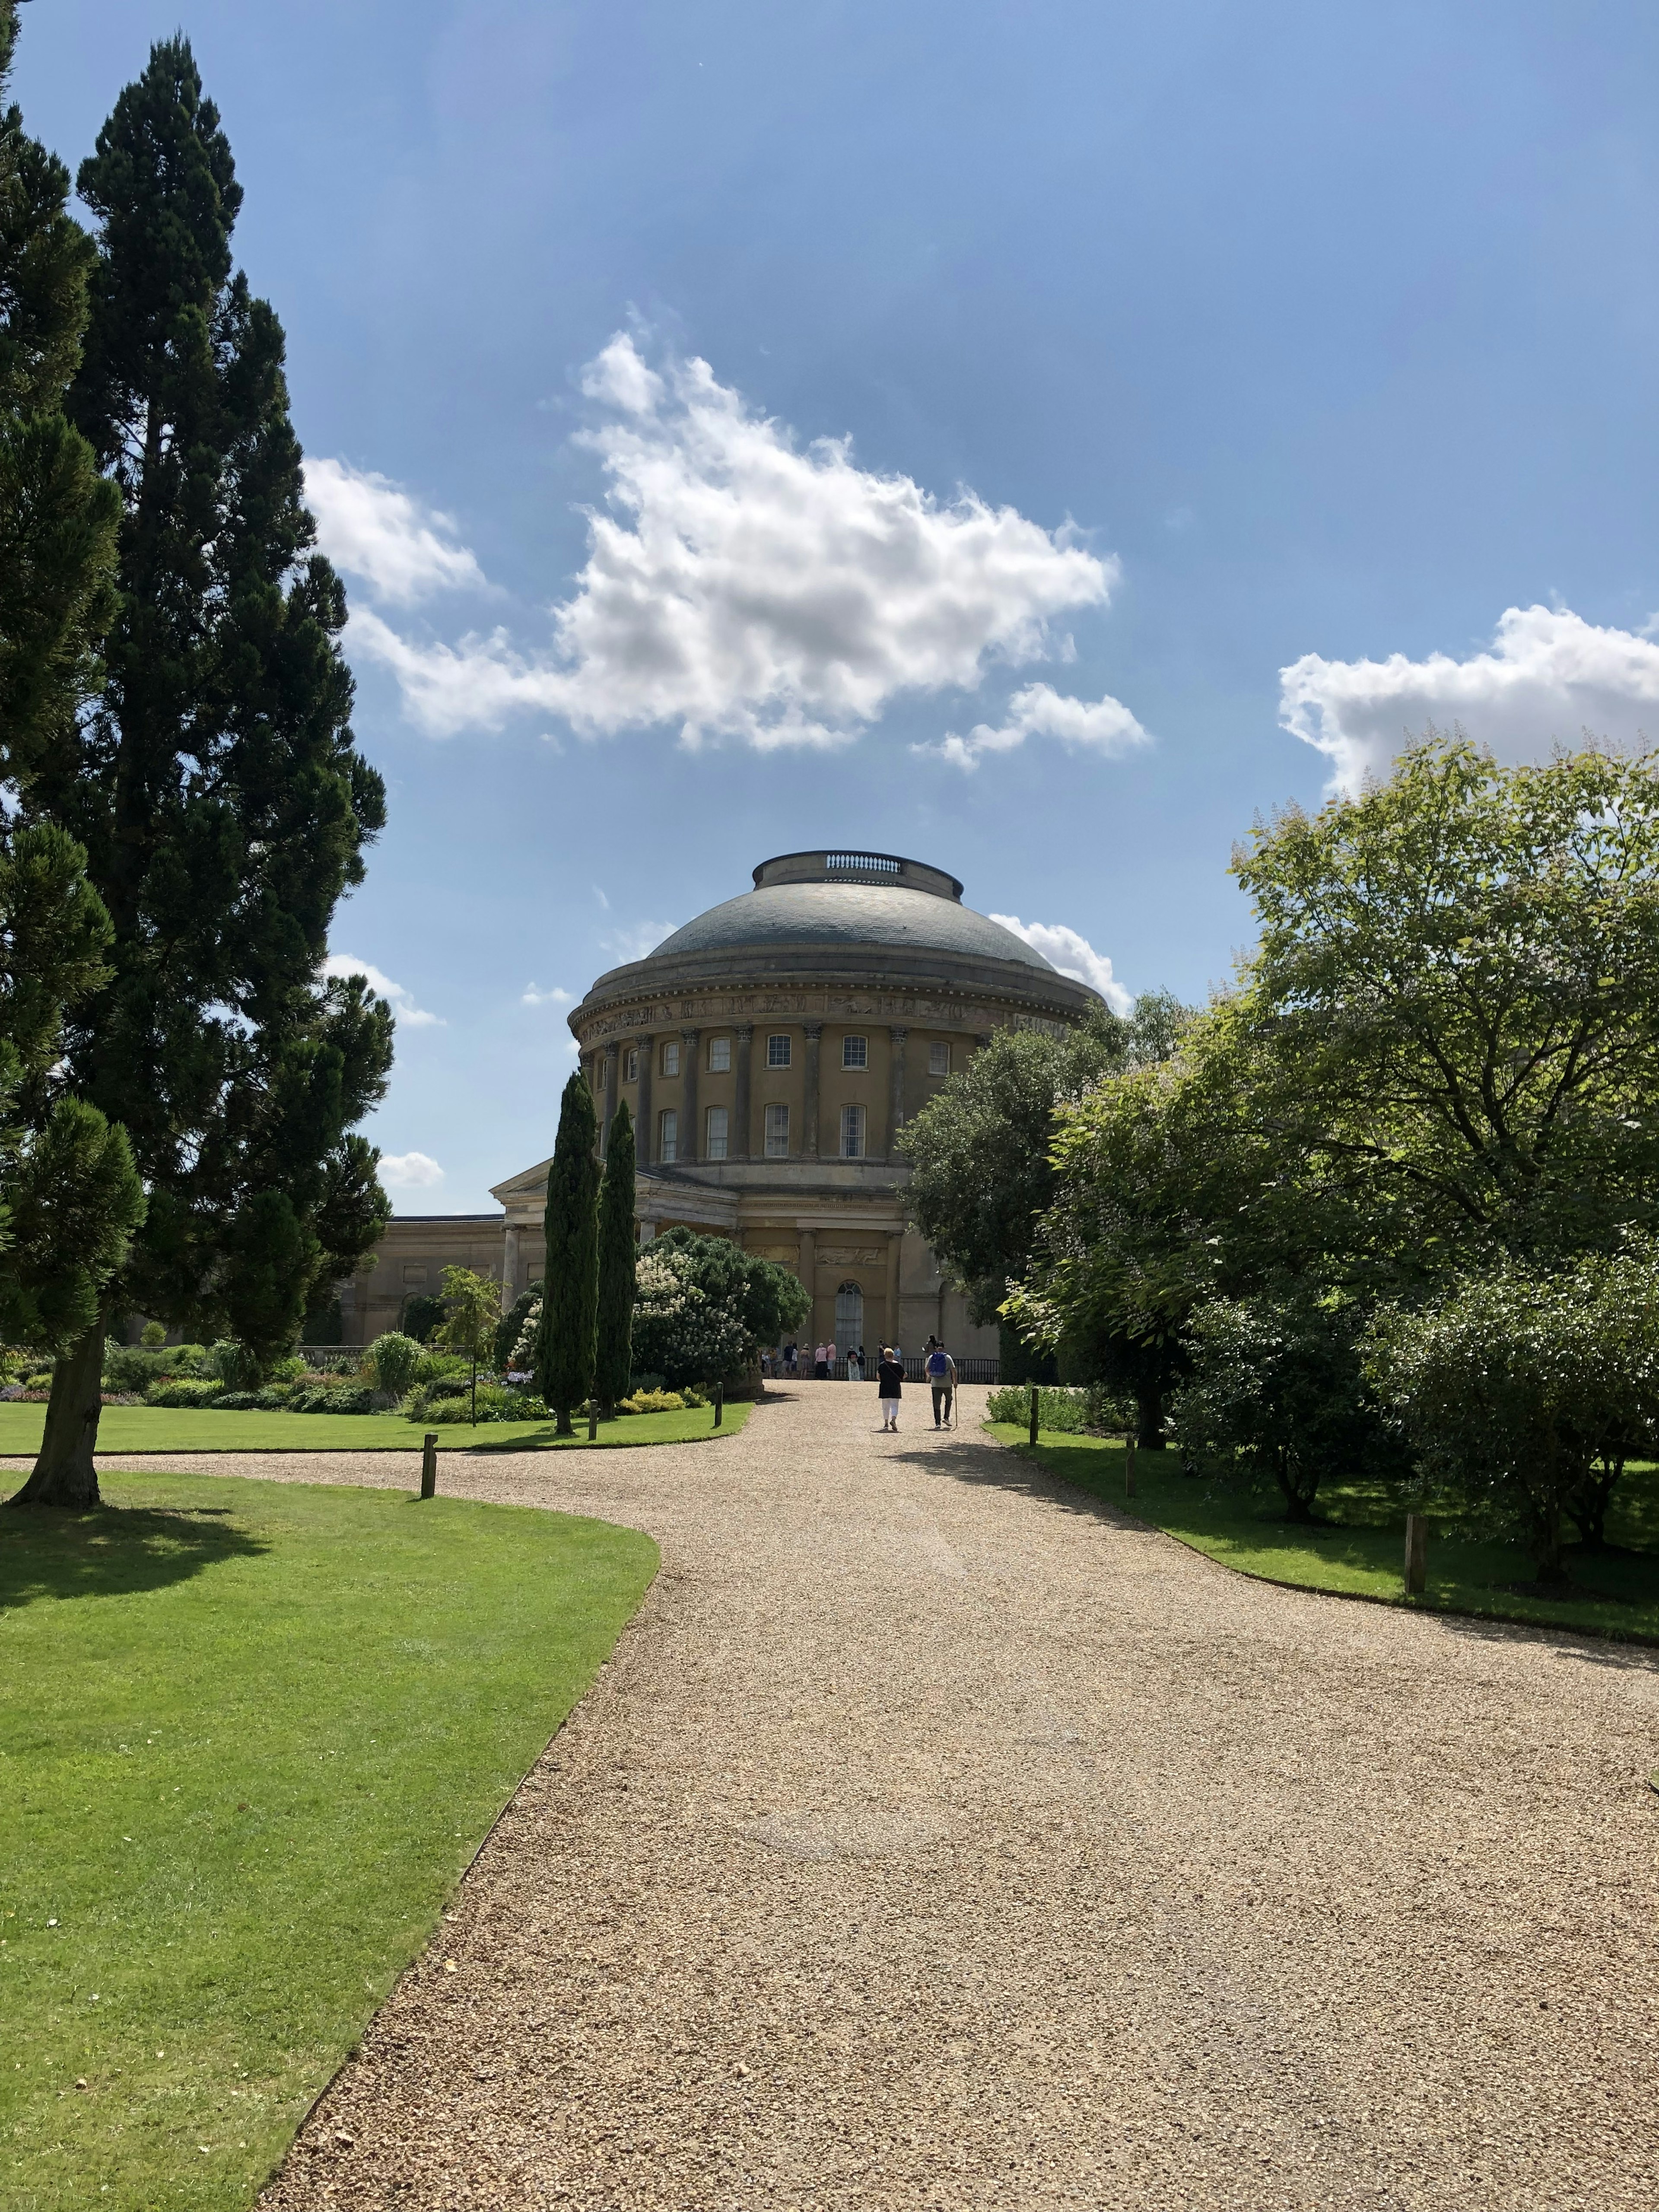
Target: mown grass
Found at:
x=191, y=1429
x=1359, y=1546
x=251, y=1734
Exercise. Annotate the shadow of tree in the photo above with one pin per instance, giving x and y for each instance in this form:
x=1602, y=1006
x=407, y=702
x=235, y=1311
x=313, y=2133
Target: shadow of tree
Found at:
x=116, y=1551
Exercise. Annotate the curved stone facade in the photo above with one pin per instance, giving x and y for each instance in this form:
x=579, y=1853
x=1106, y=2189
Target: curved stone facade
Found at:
x=770, y=1053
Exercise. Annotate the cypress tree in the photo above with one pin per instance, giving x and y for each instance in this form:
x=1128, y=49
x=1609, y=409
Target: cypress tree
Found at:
x=215, y=786
x=69, y=1194
x=564, y=1360
x=613, y=1362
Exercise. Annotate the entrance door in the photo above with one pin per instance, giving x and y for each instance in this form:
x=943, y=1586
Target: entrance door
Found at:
x=849, y=1318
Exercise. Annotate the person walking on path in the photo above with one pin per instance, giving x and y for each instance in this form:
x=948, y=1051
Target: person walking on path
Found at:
x=790, y=1359
x=942, y=1376
x=818, y=1368
x=830, y=1361
x=855, y=1363
x=889, y=1387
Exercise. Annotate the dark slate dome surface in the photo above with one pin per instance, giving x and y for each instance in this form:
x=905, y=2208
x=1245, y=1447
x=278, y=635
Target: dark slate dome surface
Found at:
x=848, y=915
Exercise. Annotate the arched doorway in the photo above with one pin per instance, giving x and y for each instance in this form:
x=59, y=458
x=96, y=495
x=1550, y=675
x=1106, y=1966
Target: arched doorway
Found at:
x=849, y=1318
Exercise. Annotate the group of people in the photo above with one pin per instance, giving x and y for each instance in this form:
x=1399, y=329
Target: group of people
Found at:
x=938, y=1365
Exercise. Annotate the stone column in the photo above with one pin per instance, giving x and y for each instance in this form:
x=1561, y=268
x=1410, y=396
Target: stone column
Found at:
x=736, y=1146
x=612, y=1073
x=644, y=1142
x=894, y=1245
x=808, y=1264
x=898, y=1039
x=509, y=1268
x=810, y=1133
x=690, y=1149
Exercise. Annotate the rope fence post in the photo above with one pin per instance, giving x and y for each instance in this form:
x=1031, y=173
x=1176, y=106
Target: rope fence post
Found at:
x=1036, y=1395
x=430, y=1465
x=593, y=1419
x=720, y=1403
x=1128, y=1466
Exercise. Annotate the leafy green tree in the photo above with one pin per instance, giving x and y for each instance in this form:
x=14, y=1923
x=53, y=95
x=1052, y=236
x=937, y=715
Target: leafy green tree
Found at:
x=705, y=1307
x=1276, y=1386
x=215, y=788
x=392, y=1360
x=618, y=1253
x=1457, y=999
x=980, y=1173
x=1525, y=1389
x=564, y=1362
x=422, y=1315
x=472, y=1310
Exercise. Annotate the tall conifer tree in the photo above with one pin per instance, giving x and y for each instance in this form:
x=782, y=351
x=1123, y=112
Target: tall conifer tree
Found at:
x=564, y=1359
x=68, y=1192
x=216, y=787
x=613, y=1364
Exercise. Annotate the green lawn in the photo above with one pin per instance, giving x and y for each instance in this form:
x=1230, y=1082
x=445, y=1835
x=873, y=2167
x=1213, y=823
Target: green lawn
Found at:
x=161, y=1429
x=251, y=1734
x=1361, y=1550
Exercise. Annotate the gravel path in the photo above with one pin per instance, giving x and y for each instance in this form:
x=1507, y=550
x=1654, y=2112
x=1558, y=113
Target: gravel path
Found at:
x=939, y=1839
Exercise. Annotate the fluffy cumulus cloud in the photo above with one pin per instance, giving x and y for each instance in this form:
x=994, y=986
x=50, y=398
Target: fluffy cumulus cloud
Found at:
x=739, y=584
x=401, y=1001
x=1103, y=726
x=1548, y=677
x=375, y=532
x=555, y=995
x=410, y=1171
x=1072, y=955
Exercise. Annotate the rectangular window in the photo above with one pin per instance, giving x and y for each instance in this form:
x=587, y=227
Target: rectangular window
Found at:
x=777, y=1052
x=719, y=1055
x=777, y=1131
x=668, y=1136
x=938, y=1059
x=714, y=1149
x=671, y=1060
x=856, y=1052
x=631, y=1066
x=852, y=1133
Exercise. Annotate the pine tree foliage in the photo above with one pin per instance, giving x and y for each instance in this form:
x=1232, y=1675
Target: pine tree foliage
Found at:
x=614, y=1360
x=215, y=785
x=564, y=1362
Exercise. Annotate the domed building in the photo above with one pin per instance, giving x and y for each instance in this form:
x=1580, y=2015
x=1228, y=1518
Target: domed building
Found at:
x=770, y=1053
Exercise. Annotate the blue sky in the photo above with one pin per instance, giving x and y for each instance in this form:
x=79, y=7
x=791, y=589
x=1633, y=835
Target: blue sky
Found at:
x=1221, y=392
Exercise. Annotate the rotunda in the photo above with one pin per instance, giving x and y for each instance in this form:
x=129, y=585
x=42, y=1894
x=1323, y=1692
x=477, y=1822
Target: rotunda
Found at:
x=770, y=1053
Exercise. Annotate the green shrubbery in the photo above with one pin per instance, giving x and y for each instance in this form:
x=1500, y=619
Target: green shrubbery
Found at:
x=1072, y=1412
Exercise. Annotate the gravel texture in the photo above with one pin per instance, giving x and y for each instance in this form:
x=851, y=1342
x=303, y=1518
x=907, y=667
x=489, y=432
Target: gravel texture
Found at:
x=938, y=1838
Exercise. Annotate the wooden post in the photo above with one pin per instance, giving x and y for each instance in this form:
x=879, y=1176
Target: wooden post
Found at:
x=593, y=1419
x=1035, y=1394
x=1128, y=1466
x=430, y=1465
x=720, y=1403
x=1417, y=1553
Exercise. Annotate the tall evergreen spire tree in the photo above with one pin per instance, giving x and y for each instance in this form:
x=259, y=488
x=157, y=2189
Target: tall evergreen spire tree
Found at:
x=215, y=786
x=613, y=1364
x=68, y=1192
x=564, y=1357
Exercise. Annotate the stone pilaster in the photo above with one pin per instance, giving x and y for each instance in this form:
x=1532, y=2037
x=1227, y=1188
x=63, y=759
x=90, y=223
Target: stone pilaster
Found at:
x=808, y=1264
x=612, y=1071
x=689, y=1146
x=739, y=1142
x=898, y=1040
x=645, y=1139
x=810, y=1133
x=509, y=1268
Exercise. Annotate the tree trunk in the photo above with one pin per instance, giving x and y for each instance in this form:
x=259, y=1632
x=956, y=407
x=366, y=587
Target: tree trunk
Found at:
x=562, y=1422
x=1547, y=1547
x=64, y=1474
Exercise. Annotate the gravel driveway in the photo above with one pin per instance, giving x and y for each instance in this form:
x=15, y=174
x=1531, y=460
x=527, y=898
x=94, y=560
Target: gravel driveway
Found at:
x=938, y=1838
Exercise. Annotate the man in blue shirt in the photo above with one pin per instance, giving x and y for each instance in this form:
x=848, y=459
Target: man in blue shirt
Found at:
x=942, y=1377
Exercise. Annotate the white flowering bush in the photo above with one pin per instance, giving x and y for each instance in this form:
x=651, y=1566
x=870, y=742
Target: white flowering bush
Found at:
x=682, y=1331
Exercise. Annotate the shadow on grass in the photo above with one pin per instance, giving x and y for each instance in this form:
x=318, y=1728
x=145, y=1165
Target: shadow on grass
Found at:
x=116, y=1551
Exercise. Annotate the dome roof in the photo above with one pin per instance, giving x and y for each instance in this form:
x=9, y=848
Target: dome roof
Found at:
x=839, y=901
x=848, y=915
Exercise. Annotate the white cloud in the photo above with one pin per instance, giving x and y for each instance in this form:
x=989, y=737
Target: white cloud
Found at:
x=1548, y=677
x=556, y=995
x=374, y=530
x=1072, y=955
x=402, y=1003
x=1106, y=726
x=410, y=1171
x=738, y=585
x=635, y=941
